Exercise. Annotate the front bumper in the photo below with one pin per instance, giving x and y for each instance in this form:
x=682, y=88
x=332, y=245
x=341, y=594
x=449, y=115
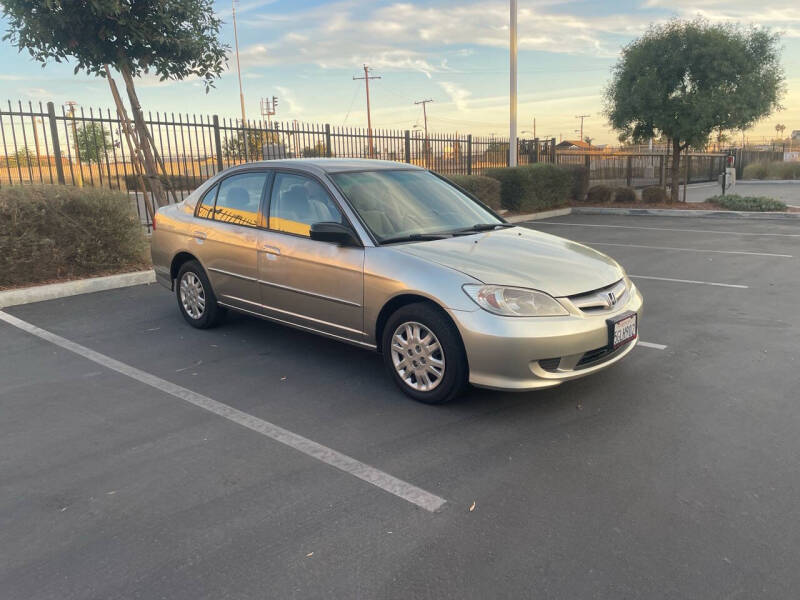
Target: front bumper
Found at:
x=513, y=353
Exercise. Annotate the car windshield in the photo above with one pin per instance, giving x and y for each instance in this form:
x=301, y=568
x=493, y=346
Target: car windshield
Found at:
x=400, y=205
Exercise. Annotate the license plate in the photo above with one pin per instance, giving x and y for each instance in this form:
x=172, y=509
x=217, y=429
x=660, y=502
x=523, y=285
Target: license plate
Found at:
x=622, y=330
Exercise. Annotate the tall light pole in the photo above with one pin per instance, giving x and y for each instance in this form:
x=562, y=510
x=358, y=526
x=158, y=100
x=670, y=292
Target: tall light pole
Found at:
x=512, y=138
x=239, y=72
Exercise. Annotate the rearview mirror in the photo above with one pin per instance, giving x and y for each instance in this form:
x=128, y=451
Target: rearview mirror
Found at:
x=334, y=232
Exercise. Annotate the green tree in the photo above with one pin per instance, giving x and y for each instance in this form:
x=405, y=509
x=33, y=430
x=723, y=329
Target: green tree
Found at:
x=234, y=148
x=315, y=151
x=173, y=39
x=685, y=79
x=93, y=142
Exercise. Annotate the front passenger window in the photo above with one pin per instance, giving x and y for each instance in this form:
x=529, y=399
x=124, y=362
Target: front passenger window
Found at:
x=239, y=199
x=298, y=202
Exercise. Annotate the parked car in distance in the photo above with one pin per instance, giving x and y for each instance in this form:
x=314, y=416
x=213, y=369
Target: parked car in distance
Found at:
x=395, y=258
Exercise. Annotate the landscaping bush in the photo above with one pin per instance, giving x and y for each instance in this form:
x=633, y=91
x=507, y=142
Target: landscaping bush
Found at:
x=756, y=170
x=600, y=194
x=750, y=203
x=532, y=187
x=772, y=170
x=654, y=195
x=625, y=194
x=54, y=231
x=783, y=170
x=176, y=182
x=580, y=182
x=486, y=189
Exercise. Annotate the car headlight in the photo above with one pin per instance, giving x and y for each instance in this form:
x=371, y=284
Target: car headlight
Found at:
x=514, y=302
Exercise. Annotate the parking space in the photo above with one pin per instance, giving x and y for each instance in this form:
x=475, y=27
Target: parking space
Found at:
x=671, y=475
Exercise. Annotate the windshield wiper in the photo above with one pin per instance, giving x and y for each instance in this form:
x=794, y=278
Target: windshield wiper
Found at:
x=414, y=237
x=484, y=227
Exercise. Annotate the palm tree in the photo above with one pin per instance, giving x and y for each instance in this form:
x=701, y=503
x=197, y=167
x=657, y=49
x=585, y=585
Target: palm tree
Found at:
x=779, y=128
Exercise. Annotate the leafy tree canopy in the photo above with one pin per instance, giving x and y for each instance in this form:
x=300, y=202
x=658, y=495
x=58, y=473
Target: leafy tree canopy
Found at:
x=174, y=39
x=685, y=79
x=93, y=142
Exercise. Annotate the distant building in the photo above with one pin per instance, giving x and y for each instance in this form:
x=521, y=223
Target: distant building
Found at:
x=796, y=135
x=574, y=145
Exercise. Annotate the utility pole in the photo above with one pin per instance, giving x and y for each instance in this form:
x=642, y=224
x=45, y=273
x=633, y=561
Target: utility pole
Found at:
x=512, y=138
x=79, y=172
x=366, y=79
x=268, y=108
x=582, y=117
x=239, y=72
x=534, y=127
x=425, y=119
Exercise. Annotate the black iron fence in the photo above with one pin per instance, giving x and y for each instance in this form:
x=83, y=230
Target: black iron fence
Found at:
x=43, y=143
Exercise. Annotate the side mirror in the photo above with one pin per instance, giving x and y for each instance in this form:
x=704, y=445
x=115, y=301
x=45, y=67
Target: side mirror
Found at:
x=334, y=232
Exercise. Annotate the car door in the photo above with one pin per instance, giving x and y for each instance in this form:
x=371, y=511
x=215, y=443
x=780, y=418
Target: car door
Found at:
x=226, y=235
x=315, y=284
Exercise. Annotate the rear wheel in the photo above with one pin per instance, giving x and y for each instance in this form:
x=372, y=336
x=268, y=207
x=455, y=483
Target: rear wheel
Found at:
x=196, y=299
x=423, y=353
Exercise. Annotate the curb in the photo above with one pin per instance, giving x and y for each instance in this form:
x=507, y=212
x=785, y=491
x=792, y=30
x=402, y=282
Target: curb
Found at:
x=676, y=212
x=53, y=291
x=766, y=181
x=558, y=212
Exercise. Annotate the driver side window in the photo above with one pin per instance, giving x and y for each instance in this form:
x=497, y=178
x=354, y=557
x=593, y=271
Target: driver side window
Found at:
x=298, y=202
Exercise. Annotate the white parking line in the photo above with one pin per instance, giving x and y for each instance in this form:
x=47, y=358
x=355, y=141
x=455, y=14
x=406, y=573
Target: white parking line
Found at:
x=662, y=229
x=728, y=285
x=652, y=345
x=365, y=472
x=691, y=249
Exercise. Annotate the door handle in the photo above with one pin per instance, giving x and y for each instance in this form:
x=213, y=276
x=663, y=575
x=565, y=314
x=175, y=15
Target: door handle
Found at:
x=270, y=249
x=199, y=235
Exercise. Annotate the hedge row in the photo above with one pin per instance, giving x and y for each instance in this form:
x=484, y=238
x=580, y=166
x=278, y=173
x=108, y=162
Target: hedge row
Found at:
x=486, y=189
x=533, y=187
x=751, y=203
x=772, y=170
x=176, y=182
x=52, y=232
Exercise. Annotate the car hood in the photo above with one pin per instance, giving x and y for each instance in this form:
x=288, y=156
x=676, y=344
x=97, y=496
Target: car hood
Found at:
x=523, y=258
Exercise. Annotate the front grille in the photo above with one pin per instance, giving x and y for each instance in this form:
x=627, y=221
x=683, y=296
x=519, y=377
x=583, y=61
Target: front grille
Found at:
x=602, y=300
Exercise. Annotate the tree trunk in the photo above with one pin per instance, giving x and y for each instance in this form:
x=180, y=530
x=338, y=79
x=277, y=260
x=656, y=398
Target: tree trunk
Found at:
x=150, y=168
x=676, y=171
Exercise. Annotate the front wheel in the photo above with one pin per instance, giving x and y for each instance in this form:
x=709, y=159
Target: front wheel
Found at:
x=196, y=299
x=423, y=354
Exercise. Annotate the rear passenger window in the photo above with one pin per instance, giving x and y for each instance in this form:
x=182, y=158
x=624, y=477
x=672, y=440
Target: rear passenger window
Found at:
x=205, y=207
x=239, y=198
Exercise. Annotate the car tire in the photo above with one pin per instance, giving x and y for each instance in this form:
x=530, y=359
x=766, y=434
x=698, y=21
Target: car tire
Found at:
x=196, y=299
x=424, y=355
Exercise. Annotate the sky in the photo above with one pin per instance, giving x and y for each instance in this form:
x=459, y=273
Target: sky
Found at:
x=306, y=53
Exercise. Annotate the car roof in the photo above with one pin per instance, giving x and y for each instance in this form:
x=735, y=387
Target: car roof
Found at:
x=333, y=165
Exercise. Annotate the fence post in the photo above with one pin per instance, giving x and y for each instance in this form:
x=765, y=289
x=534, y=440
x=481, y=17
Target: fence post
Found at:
x=587, y=161
x=51, y=116
x=328, y=150
x=536, y=150
x=628, y=170
x=408, y=145
x=218, y=144
x=553, y=150
x=661, y=171
x=688, y=170
x=469, y=154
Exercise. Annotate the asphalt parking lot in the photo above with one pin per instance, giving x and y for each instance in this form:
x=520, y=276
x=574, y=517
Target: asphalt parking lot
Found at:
x=672, y=475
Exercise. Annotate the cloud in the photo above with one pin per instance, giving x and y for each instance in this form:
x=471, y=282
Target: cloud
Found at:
x=288, y=100
x=459, y=96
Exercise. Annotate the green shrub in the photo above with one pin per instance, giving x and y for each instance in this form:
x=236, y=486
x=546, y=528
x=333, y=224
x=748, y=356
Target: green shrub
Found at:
x=176, y=182
x=486, y=189
x=772, y=170
x=580, y=182
x=625, y=195
x=600, y=194
x=749, y=203
x=54, y=231
x=783, y=170
x=756, y=170
x=654, y=195
x=532, y=187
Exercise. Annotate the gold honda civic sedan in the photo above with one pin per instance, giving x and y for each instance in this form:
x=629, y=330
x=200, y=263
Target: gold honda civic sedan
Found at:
x=397, y=259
